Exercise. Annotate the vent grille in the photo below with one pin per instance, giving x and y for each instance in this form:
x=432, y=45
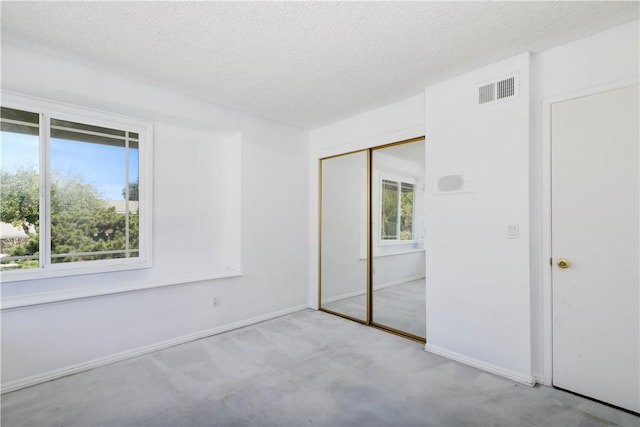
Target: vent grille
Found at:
x=506, y=88
x=486, y=93
x=498, y=90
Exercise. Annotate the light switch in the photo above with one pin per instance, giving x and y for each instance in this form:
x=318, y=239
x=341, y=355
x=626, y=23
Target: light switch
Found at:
x=513, y=231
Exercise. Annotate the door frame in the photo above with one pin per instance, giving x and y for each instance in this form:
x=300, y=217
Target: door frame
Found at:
x=546, y=244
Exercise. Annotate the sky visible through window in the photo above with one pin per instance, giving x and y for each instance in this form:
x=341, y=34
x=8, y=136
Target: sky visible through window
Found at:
x=98, y=164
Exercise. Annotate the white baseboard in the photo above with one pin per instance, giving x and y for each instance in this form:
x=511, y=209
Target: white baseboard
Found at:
x=343, y=296
x=91, y=364
x=488, y=367
x=538, y=379
x=397, y=282
x=364, y=291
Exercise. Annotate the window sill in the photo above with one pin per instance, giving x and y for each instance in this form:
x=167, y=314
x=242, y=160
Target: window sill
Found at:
x=382, y=243
x=75, y=294
x=75, y=269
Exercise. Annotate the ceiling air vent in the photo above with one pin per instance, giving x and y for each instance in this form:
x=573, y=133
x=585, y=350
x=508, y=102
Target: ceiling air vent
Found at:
x=501, y=89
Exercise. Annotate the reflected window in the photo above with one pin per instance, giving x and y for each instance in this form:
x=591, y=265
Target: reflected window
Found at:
x=397, y=210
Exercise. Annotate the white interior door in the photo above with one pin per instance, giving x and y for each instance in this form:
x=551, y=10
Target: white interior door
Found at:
x=595, y=226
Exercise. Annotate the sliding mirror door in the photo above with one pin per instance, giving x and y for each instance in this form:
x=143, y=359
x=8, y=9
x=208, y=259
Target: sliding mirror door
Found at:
x=343, y=235
x=398, y=232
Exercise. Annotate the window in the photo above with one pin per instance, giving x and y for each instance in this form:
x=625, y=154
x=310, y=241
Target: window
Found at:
x=397, y=210
x=73, y=194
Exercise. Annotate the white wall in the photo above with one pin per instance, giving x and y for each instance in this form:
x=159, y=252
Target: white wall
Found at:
x=195, y=145
x=478, y=307
x=472, y=327
x=609, y=57
x=395, y=122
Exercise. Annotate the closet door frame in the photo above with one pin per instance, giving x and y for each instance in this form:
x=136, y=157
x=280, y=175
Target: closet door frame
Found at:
x=368, y=268
x=369, y=244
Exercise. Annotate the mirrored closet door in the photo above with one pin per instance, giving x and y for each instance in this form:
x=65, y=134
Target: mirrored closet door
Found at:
x=372, y=260
x=343, y=235
x=398, y=262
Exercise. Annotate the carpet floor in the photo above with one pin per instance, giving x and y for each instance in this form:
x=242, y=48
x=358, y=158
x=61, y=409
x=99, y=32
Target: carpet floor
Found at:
x=306, y=369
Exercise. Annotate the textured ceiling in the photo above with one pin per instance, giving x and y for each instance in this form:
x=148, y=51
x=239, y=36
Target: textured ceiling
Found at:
x=300, y=63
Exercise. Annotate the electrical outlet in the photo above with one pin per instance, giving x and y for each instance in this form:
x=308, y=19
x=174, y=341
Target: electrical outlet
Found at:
x=216, y=301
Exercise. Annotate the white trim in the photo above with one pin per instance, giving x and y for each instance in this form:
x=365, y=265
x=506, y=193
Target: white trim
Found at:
x=117, y=357
x=29, y=300
x=377, y=288
x=366, y=143
x=488, y=367
x=63, y=109
x=397, y=282
x=396, y=242
x=44, y=172
x=538, y=379
x=75, y=269
x=48, y=109
x=343, y=296
x=545, y=268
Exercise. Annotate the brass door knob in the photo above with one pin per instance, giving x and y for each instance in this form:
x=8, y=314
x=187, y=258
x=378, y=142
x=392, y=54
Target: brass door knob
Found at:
x=564, y=263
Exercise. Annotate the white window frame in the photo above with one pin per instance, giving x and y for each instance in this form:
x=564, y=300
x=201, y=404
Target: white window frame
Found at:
x=49, y=109
x=400, y=180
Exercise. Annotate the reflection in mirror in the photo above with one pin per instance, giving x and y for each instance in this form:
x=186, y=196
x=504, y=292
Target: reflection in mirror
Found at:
x=398, y=238
x=343, y=235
